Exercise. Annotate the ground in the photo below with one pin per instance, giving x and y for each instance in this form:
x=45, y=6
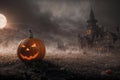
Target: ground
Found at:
x=62, y=66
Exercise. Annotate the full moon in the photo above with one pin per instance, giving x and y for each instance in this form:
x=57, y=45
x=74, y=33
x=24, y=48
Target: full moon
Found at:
x=3, y=21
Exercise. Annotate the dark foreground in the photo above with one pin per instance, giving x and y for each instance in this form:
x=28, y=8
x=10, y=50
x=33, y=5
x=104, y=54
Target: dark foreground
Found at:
x=50, y=70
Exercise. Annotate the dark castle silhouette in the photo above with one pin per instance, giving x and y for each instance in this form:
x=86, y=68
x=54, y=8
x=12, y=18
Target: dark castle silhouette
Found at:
x=96, y=37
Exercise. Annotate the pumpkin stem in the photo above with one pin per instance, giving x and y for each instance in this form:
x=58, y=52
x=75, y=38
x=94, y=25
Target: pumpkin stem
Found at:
x=31, y=34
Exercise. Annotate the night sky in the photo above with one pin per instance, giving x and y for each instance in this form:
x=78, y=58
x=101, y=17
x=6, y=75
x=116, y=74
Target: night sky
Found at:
x=54, y=19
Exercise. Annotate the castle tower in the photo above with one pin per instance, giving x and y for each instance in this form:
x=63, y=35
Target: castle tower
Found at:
x=92, y=29
x=92, y=21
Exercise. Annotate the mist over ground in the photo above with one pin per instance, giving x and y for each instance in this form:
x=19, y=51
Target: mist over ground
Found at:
x=52, y=20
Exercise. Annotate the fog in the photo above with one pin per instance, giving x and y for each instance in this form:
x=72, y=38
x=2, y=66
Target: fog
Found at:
x=52, y=20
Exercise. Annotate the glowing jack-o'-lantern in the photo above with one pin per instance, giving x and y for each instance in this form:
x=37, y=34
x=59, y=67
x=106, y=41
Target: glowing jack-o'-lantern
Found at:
x=31, y=49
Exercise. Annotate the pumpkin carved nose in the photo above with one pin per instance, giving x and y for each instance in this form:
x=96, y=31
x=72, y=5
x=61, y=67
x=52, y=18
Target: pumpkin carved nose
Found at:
x=27, y=49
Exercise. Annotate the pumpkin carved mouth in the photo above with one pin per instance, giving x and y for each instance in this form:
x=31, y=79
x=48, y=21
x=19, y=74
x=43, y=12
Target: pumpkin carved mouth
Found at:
x=29, y=57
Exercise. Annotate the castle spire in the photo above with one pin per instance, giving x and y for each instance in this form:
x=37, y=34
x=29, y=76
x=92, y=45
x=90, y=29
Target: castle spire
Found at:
x=91, y=17
x=91, y=14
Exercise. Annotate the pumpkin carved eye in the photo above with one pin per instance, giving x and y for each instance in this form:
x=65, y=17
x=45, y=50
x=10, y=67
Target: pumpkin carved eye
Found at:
x=23, y=46
x=34, y=45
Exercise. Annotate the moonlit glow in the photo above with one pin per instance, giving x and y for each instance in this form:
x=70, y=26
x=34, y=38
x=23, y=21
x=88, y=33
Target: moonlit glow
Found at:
x=3, y=21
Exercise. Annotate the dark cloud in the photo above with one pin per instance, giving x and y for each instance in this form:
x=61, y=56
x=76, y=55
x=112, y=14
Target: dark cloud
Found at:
x=51, y=18
x=62, y=12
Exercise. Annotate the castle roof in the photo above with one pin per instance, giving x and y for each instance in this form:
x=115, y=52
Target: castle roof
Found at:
x=92, y=17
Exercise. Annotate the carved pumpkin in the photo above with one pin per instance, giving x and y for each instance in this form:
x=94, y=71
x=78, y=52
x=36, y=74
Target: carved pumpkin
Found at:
x=31, y=49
